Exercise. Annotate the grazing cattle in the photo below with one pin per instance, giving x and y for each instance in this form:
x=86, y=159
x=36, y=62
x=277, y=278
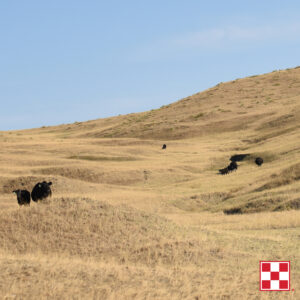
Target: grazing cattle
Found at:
x=238, y=157
x=164, y=146
x=232, y=166
x=259, y=161
x=233, y=211
x=41, y=191
x=23, y=197
x=224, y=171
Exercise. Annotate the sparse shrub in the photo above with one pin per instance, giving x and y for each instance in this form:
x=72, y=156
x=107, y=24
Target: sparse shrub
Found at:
x=198, y=115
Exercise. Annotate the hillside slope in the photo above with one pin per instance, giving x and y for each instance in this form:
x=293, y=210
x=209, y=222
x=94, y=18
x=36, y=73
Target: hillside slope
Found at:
x=258, y=115
x=129, y=220
x=264, y=104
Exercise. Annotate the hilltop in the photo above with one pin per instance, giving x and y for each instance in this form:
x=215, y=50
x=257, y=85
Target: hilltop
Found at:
x=263, y=104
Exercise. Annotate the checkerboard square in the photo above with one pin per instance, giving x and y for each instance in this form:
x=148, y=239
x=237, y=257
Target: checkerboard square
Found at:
x=274, y=275
x=284, y=267
x=283, y=284
x=275, y=285
x=266, y=267
x=284, y=276
x=275, y=266
x=266, y=284
x=265, y=276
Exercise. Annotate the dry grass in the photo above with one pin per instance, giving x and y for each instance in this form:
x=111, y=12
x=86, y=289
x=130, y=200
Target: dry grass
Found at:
x=131, y=221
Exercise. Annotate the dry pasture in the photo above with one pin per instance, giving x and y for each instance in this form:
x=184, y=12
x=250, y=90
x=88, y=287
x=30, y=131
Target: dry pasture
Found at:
x=129, y=220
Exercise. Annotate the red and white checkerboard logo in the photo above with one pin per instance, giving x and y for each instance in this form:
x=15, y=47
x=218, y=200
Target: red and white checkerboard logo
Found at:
x=274, y=275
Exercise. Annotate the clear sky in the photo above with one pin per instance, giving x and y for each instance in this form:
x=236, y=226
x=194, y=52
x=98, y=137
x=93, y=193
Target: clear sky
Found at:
x=63, y=61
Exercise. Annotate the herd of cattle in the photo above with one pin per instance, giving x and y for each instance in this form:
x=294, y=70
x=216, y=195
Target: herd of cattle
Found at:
x=233, y=165
x=42, y=190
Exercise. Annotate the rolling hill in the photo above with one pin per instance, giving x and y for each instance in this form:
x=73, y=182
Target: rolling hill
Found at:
x=254, y=103
x=130, y=220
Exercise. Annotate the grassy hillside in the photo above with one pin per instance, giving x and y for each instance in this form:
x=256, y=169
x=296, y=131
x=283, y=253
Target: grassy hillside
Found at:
x=129, y=220
x=264, y=104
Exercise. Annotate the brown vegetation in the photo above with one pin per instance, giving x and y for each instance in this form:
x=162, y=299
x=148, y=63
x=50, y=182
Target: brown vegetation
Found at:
x=129, y=220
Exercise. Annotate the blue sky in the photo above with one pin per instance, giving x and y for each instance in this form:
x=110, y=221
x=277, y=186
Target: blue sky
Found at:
x=63, y=61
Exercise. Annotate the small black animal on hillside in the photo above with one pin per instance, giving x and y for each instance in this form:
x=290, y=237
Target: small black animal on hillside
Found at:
x=238, y=157
x=41, y=191
x=224, y=171
x=232, y=166
x=259, y=161
x=23, y=197
x=164, y=146
x=232, y=211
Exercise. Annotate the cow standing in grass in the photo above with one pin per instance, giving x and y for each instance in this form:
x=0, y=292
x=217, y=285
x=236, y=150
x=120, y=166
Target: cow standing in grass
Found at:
x=23, y=197
x=232, y=166
x=41, y=191
x=224, y=171
x=239, y=157
x=259, y=161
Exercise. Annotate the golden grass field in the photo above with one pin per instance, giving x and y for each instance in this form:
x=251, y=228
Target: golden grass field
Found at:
x=128, y=220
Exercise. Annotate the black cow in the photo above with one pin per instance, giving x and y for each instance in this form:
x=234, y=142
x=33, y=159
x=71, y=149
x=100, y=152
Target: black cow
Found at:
x=41, y=191
x=164, y=146
x=259, y=161
x=233, y=211
x=224, y=171
x=23, y=197
x=232, y=166
x=238, y=157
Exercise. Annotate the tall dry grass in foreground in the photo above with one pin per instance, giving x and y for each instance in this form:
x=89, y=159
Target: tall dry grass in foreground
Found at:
x=83, y=248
